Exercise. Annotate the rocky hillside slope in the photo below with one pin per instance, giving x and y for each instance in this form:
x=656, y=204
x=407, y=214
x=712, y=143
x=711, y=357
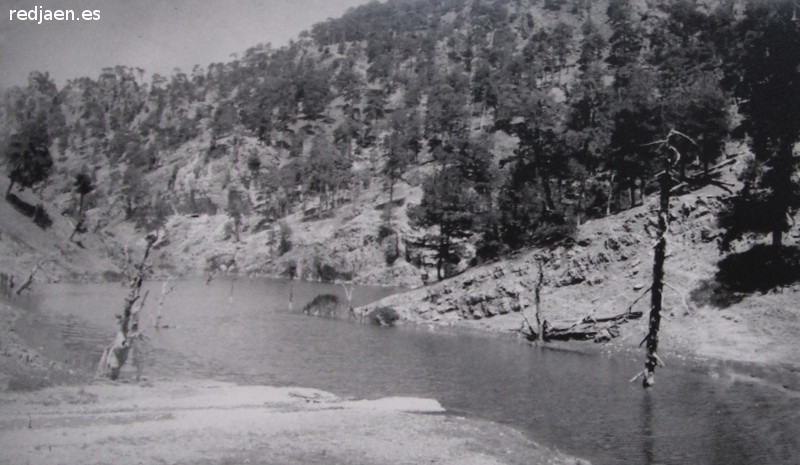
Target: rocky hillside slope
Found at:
x=604, y=275
x=282, y=161
x=24, y=245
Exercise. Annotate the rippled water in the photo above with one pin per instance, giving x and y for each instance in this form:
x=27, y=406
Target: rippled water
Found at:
x=582, y=404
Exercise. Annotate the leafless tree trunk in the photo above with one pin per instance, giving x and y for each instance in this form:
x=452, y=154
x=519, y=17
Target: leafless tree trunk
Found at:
x=537, y=305
x=537, y=333
x=31, y=277
x=166, y=288
x=610, y=193
x=79, y=221
x=657, y=289
x=116, y=354
x=666, y=180
x=349, y=287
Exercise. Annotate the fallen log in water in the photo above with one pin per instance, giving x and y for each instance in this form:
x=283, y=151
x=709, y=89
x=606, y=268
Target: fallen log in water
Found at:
x=600, y=329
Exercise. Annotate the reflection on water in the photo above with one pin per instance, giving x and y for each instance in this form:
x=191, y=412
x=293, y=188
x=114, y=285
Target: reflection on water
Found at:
x=582, y=404
x=648, y=438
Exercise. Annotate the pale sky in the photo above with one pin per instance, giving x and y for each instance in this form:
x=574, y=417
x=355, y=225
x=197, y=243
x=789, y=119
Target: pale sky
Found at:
x=157, y=35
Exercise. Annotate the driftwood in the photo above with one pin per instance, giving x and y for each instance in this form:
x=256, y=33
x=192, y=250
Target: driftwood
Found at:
x=599, y=329
x=116, y=354
x=31, y=278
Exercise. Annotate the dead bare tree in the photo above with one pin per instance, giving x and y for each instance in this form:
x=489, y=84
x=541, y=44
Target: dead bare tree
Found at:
x=31, y=278
x=116, y=354
x=349, y=287
x=538, y=333
x=537, y=301
x=166, y=289
x=231, y=291
x=666, y=178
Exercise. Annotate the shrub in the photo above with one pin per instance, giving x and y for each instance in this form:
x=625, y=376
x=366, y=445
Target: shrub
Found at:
x=37, y=213
x=326, y=305
x=289, y=269
x=383, y=316
x=284, y=239
x=391, y=251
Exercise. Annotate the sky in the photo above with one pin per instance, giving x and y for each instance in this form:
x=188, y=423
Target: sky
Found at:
x=157, y=35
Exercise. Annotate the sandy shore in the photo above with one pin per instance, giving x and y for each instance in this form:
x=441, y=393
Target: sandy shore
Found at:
x=205, y=422
x=210, y=422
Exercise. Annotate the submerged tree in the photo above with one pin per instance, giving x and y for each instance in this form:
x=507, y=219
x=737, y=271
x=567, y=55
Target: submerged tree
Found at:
x=666, y=179
x=116, y=354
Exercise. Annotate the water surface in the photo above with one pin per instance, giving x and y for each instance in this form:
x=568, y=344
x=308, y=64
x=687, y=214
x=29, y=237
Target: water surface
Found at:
x=243, y=331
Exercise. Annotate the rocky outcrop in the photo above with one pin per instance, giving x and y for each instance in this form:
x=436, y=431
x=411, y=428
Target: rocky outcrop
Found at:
x=595, y=279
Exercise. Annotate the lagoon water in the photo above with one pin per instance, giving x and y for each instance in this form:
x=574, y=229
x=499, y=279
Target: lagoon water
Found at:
x=243, y=331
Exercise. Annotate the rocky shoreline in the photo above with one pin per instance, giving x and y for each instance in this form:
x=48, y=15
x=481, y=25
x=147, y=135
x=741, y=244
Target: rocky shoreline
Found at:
x=604, y=273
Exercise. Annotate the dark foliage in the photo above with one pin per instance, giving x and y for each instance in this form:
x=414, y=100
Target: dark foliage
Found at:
x=27, y=157
x=383, y=316
x=37, y=213
x=284, y=238
x=763, y=268
x=289, y=269
x=327, y=273
x=763, y=70
x=326, y=305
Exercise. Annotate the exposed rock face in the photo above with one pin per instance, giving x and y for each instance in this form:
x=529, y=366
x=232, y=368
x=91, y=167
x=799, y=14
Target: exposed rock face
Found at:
x=600, y=275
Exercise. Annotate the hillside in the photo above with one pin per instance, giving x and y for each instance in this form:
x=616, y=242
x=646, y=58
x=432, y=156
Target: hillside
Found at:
x=496, y=102
x=23, y=245
x=411, y=142
x=607, y=271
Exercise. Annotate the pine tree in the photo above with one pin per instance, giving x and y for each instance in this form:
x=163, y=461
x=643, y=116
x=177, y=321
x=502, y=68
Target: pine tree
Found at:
x=447, y=207
x=28, y=160
x=764, y=73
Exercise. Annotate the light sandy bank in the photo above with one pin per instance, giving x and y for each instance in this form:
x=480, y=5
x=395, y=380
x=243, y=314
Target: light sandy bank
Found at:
x=210, y=422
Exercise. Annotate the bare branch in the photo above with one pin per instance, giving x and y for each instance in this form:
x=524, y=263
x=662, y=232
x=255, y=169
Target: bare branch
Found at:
x=682, y=295
x=31, y=277
x=647, y=291
x=639, y=375
x=676, y=132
